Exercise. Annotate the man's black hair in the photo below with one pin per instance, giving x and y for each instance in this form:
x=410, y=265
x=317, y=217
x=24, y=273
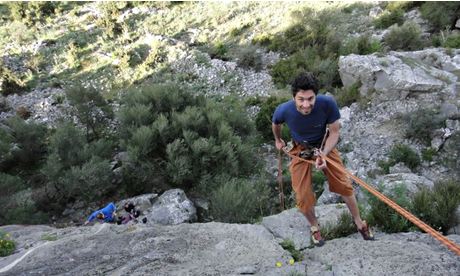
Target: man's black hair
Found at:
x=304, y=81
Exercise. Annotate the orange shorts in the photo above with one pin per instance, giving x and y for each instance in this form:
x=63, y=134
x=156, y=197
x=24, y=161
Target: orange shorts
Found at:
x=301, y=178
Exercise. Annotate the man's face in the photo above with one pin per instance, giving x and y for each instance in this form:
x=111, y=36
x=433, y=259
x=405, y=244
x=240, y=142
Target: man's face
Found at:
x=304, y=101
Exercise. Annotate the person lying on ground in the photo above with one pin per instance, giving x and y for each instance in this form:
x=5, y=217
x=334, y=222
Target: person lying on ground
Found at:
x=106, y=214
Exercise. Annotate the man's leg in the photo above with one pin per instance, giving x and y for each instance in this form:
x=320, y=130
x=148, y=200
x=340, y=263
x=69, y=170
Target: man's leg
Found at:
x=352, y=205
x=311, y=216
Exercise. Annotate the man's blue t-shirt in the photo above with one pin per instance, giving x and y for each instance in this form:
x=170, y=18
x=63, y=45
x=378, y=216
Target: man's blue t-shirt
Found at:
x=308, y=128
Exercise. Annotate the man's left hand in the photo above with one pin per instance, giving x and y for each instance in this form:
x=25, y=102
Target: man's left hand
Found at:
x=320, y=162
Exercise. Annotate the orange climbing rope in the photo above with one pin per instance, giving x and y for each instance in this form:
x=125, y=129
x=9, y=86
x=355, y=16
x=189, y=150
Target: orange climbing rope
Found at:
x=425, y=227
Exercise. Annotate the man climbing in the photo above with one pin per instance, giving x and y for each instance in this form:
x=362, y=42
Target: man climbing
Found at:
x=106, y=214
x=308, y=117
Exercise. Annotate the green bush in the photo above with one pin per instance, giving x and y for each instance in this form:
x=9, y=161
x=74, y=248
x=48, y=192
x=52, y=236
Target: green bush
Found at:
x=188, y=135
x=26, y=213
x=92, y=110
x=389, y=18
x=344, y=227
x=9, y=184
x=10, y=82
x=76, y=168
x=318, y=179
x=361, y=45
x=347, y=96
x=248, y=57
x=441, y=15
x=452, y=41
x=28, y=139
x=403, y=153
x=264, y=118
x=289, y=246
x=421, y=123
x=219, y=51
x=428, y=153
x=310, y=29
x=325, y=69
x=239, y=200
x=32, y=12
x=89, y=182
x=110, y=11
x=7, y=245
x=385, y=217
x=407, y=37
x=437, y=206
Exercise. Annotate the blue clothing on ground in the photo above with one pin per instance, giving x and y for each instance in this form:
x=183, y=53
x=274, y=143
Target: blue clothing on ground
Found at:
x=308, y=128
x=107, y=211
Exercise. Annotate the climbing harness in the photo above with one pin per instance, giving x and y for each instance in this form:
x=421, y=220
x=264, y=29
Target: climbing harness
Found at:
x=425, y=227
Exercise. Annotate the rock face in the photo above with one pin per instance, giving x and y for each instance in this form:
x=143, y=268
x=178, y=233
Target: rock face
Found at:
x=219, y=249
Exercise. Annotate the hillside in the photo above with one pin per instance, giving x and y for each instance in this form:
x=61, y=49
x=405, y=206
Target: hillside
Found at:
x=106, y=101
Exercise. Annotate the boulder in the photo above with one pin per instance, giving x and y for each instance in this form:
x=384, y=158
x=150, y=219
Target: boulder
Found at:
x=411, y=181
x=172, y=207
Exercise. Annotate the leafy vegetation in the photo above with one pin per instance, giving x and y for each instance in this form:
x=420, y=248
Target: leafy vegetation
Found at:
x=7, y=245
x=289, y=246
x=385, y=217
x=437, y=206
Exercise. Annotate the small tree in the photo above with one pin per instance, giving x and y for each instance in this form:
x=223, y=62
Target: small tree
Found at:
x=91, y=109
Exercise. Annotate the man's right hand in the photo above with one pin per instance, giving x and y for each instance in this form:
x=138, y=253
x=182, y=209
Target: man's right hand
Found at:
x=279, y=144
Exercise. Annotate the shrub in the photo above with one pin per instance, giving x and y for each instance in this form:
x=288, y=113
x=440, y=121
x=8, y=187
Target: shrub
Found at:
x=91, y=109
x=403, y=153
x=437, y=206
x=9, y=184
x=428, y=153
x=9, y=82
x=29, y=141
x=238, y=200
x=138, y=55
x=219, y=51
x=325, y=69
x=108, y=20
x=187, y=135
x=73, y=60
x=89, y=182
x=389, y=18
x=289, y=246
x=361, y=45
x=344, y=227
x=421, y=123
x=248, y=57
x=386, y=218
x=452, y=41
x=7, y=245
x=441, y=15
x=264, y=118
x=347, y=96
x=25, y=213
x=407, y=37
x=318, y=179
x=33, y=12
x=75, y=168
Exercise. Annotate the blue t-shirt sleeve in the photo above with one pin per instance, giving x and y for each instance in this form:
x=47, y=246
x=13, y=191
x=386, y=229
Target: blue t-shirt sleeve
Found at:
x=278, y=115
x=333, y=113
x=93, y=216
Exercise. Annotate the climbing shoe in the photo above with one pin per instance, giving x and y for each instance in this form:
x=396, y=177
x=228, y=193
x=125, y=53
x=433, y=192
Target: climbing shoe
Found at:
x=316, y=238
x=366, y=232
